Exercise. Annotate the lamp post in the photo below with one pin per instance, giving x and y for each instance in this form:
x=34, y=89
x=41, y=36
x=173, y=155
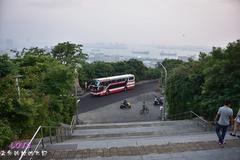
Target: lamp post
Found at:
x=76, y=94
x=165, y=87
x=77, y=102
x=17, y=84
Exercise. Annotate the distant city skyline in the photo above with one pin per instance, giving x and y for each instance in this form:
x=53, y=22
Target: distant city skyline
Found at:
x=42, y=23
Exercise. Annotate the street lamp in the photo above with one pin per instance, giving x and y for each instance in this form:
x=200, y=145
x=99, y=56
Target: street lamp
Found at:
x=76, y=91
x=165, y=87
x=17, y=84
x=77, y=106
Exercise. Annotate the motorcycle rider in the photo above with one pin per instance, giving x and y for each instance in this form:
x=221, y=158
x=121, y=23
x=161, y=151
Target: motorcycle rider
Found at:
x=125, y=105
x=157, y=101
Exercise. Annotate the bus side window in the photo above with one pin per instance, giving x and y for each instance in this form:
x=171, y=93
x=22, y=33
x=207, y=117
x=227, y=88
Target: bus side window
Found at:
x=131, y=78
x=105, y=83
x=120, y=80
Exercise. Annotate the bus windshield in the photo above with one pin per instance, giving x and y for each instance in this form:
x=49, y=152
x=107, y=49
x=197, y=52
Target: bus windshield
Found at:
x=96, y=83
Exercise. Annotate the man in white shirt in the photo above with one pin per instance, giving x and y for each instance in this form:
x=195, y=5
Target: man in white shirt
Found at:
x=223, y=119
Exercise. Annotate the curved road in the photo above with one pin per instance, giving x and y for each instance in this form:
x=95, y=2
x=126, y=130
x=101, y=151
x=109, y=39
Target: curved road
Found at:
x=90, y=102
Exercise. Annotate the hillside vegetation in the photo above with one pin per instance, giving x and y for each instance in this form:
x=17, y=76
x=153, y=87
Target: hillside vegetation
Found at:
x=46, y=86
x=204, y=85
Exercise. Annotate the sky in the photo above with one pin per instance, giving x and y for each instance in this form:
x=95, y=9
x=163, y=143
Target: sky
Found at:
x=154, y=22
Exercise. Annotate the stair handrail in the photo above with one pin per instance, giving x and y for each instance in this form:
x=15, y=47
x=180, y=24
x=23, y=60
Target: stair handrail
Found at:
x=41, y=140
x=72, y=125
x=199, y=117
x=30, y=142
x=188, y=115
x=177, y=115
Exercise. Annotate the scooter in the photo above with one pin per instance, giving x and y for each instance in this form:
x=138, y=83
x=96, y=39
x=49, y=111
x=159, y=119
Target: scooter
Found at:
x=157, y=101
x=125, y=105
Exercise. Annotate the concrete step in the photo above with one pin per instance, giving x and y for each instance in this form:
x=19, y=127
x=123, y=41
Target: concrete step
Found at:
x=127, y=133
x=146, y=147
x=129, y=124
x=75, y=144
x=134, y=139
x=133, y=124
x=124, y=130
x=129, y=152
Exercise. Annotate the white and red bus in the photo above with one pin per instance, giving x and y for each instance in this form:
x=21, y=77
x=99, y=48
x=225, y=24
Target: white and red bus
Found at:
x=108, y=85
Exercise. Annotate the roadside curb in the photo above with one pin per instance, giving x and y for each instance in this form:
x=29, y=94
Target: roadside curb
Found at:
x=147, y=81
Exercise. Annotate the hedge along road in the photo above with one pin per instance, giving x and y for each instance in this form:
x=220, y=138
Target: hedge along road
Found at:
x=90, y=102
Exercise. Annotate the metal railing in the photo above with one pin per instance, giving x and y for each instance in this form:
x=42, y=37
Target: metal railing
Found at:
x=54, y=133
x=192, y=115
x=73, y=122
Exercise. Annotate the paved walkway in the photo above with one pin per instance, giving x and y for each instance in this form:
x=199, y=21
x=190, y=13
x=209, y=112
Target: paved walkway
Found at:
x=215, y=154
x=208, y=150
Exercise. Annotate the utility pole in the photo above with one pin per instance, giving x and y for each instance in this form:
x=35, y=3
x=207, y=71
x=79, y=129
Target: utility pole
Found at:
x=165, y=88
x=77, y=106
x=77, y=98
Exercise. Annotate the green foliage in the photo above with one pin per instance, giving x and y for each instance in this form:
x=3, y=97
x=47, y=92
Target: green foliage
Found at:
x=203, y=85
x=7, y=98
x=102, y=69
x=6, y=66
x=152, y=73
x=105, y=69
x=57, y=80
x=137, y=68
x=46, y=93
x=69, y=53
x=6, y=134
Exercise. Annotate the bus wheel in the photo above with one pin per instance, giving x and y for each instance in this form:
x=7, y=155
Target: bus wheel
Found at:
x=107, y=92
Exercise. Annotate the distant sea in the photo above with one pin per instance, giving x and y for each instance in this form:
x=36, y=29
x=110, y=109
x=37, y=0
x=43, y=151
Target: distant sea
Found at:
x=151, y=51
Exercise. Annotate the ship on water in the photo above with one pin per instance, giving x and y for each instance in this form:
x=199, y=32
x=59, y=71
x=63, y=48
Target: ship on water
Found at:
x=140, y=52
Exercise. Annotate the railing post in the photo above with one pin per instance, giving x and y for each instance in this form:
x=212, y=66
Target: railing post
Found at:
x=56, y=135
x=68, y=134
x=50, y=134
x=65, y=133
x=42, y=137
x=61, y=134
x=190, y=115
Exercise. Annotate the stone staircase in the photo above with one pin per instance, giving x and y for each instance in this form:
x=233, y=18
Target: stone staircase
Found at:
x=135, y=140
x=124, y=134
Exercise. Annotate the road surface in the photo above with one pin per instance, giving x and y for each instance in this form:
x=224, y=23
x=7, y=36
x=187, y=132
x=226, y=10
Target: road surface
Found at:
x=90, y=102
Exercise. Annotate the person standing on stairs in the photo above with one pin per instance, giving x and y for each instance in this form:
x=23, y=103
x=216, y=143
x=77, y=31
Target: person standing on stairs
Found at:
x=236, y=124
x=223, y=119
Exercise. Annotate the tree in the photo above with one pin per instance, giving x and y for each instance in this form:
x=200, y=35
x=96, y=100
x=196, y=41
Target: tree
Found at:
x=46, y=88
x=7, y=98
x=58, y=80
x=6, y=134
x=69, y=53
x=137, y=68
x=98, y=69
x=184, y=85
x=6, y=66
x=45, y=81
x=203, y=85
